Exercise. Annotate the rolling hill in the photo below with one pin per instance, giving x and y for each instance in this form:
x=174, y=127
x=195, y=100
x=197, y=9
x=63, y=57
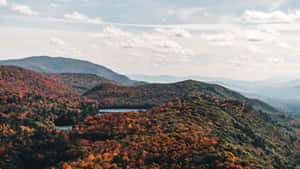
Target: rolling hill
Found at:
x=28, y=94
x=65, y=65
x=197, y=131
x=79, y=82
x=281, y=92
x=26, y=81
x=149, y=95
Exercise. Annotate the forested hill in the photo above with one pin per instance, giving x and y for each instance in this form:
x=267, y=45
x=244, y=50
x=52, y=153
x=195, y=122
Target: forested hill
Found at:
x=79, y=82
x=28, y=94
x=26, y=81
x=149, y=95
x=194, y=132
x=206, y=129
x=66, y=65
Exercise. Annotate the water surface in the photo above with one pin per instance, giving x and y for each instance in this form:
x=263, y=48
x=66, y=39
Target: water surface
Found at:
x=65, y=128
x=119, y=110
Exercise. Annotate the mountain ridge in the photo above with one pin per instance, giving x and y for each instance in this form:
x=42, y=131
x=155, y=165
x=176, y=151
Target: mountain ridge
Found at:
x=165, y=92
x=49, y=64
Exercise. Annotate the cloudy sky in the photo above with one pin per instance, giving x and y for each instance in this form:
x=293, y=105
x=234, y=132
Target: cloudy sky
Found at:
x=245, y=40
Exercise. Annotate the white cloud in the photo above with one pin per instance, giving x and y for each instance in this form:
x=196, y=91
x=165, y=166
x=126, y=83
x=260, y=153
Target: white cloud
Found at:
x=257, y=35
x=57, y=41
x=256, y=49
x=167, y=44
x=242, y=35
x=81, y=18
x=115, y=32
x=175, y=32
x=276, y=60
x=172, y=48
x=253, y=16
x=3, y=3
x=63, y=47
x=23, y=9
x=224, y=38
x=160, y=44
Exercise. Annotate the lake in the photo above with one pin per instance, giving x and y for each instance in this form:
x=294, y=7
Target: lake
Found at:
x=119, y=110
x=65, y=128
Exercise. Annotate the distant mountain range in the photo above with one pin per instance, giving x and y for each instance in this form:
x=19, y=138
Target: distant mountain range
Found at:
x=65, y=65
x=288, y=81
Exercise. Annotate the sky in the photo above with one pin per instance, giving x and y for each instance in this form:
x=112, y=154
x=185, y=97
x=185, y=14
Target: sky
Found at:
x=240, y=40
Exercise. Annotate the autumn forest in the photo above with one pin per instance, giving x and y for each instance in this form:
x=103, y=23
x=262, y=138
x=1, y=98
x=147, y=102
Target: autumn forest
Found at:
x=188, y=124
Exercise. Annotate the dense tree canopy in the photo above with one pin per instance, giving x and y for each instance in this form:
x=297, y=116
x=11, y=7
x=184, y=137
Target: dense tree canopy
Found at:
x=193, y=131
x=149, y=95
x=25, y=93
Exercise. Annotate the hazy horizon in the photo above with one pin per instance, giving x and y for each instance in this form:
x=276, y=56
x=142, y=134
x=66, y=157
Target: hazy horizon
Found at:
x=167, y=78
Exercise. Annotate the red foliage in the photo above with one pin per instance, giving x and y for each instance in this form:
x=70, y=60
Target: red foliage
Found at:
x=25, y=93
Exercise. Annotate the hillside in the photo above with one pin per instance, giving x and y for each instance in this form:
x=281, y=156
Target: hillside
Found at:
x=25, y=81
x=280, y=93
x=204, y=130
x=65, y=65
x=195, y=132
x=79, y=82
x=28, y=94
x=145, y=96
